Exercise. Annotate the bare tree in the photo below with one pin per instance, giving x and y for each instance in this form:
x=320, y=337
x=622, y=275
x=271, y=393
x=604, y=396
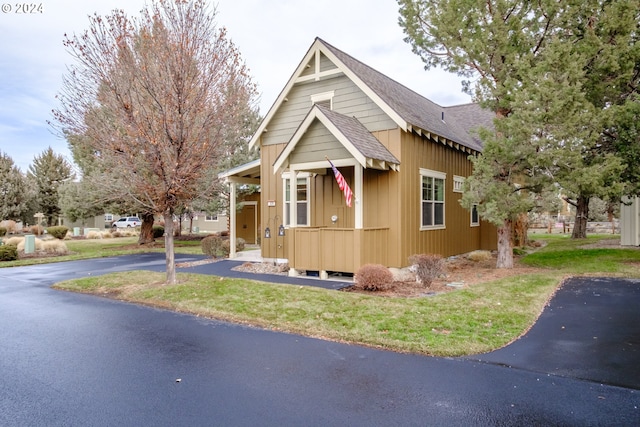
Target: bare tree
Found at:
x=153, y=98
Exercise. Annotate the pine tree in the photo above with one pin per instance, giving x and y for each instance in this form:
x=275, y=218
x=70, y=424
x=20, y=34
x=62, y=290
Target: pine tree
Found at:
x=14, y=194
x=49, y=171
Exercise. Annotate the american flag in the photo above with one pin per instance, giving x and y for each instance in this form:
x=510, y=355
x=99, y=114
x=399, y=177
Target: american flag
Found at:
x=342, y=183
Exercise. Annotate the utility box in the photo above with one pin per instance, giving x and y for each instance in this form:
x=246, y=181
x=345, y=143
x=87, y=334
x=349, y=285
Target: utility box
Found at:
x=76, y=231
x=29, y=244
x=630, y=222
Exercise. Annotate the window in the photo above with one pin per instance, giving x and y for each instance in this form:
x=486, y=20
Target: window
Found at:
x=432, y=185
x=108, y=217
x=302, y=200
x=475, y=218
x=213, y=217
x=325, y=99
x=458, y=184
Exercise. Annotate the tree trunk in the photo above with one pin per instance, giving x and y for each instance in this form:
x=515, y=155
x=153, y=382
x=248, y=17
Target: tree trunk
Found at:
x=505, y=251
x=178, y=232
x=146, y=229
x=168, y=248
x=582, y=214
x=520, y=230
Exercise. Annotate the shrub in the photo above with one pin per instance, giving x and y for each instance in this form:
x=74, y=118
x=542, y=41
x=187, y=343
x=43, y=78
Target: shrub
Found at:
x=240, y=244
x=3, y=231
x=37, y=230
x=214, y=246
x=58, y=232
x=477, y=256
x=158, y=231
x=94, y=235
x=373, y=277
x=427, y=267
x=8, y=253
x=10, y=225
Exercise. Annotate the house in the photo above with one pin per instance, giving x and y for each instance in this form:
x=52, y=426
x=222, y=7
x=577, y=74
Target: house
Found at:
x=404, y=158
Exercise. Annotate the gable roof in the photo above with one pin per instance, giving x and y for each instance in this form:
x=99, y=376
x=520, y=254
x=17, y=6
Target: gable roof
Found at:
x=352, y=134
x=408, y=109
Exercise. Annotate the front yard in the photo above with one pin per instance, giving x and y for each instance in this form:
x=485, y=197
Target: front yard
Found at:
x=478, y=318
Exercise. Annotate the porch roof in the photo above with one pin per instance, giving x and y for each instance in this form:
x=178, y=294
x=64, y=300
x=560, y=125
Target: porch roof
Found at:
x=248, y=173
x=353, y=135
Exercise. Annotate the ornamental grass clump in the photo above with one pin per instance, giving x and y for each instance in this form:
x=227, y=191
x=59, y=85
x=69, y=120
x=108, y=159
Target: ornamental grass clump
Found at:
x=427, y=267
x=372, y=277
x=477, y=256
x=56, y=247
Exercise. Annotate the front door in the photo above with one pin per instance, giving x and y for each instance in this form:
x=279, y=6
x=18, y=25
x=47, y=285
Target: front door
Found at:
x=246, y=223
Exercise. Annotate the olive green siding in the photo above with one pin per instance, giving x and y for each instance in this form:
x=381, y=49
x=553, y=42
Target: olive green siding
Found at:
x=348, y=99
x=317, y=144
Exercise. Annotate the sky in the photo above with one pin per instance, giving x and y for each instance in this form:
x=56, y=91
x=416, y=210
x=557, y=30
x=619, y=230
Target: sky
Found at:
x=272, y=36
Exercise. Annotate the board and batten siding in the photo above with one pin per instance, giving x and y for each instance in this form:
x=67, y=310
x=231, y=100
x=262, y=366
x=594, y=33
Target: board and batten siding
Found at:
x=348, y=99
x=458, y=236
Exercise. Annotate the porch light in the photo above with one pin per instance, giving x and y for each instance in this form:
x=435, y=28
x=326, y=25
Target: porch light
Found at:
x=267, y=233
x=281, y=230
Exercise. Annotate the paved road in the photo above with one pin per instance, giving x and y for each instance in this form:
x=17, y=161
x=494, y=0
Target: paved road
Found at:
x=77, y=360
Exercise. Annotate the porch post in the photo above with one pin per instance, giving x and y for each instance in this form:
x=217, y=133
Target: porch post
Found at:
x=293, y=217
x=293, y=199
x=358, y=177
x=232, y=221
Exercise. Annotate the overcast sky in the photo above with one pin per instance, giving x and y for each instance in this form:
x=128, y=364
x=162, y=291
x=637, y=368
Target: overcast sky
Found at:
x=272, y=35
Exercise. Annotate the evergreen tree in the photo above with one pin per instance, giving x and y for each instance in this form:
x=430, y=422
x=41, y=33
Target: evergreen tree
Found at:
x=14, y=194
x=49, y=171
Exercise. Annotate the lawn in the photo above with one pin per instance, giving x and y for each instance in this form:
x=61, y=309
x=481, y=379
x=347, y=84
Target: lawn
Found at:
x=476, y=319
x=99, y=248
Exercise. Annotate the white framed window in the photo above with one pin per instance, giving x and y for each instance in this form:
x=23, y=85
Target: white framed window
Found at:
x=325, y=99
x=303, y=212
x=108, y=217
x=211, y=218
x=458, y=183
x=432, y=189
x=475, y=218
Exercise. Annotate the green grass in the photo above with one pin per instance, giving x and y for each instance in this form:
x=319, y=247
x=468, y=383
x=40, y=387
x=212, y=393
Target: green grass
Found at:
x=473, y=320
x=568, y=255
x=100, y=248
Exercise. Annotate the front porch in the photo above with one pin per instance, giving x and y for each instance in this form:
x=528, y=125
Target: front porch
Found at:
x=325, y=249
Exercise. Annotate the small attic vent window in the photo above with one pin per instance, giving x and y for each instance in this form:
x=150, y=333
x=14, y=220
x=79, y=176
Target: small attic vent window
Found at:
x=325, y=99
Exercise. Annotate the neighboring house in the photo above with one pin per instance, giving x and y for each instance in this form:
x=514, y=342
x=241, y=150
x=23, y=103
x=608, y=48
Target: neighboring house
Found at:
x=247, y=220
x=99, y=221
x=404, y=157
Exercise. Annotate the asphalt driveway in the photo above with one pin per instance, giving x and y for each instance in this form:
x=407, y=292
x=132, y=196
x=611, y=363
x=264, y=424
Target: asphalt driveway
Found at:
x=71, y=359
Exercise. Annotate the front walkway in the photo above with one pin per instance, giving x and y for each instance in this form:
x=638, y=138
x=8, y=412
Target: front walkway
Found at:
x=225, y=267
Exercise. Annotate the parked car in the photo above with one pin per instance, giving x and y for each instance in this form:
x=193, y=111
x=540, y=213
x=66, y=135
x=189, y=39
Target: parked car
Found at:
x=127, y=222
